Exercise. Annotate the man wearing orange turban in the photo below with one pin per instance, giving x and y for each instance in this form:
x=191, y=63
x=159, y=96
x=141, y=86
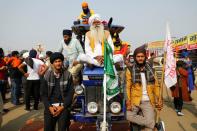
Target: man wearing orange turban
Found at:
x=84, y=16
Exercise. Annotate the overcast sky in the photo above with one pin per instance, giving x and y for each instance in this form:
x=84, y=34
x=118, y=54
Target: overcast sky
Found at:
x=23, y=23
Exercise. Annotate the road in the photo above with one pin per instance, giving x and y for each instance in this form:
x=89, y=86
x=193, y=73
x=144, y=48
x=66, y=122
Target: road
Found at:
x=19, y=119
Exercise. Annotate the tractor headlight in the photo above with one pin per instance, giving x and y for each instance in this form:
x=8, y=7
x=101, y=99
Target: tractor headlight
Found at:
x=115, y=107
x=92, y=107
x=78, y=89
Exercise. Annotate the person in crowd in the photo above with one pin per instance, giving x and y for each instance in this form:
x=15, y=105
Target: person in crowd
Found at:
x=15, y=76
x=47, y=58
x=3, y=77
x=33, y=78
x=41, y=57
x=143, y=93
x=180, y=91
x=129, y=62
x=57, y=94
x=1, y=110
x=86, y=13
x=191, y=76
x=151, y=60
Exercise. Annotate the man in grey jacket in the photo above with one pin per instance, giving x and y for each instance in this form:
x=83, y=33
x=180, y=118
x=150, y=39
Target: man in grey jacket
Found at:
x=57, y=94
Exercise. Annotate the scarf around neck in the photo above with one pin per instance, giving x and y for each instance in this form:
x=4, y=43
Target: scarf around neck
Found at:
x=136, y=76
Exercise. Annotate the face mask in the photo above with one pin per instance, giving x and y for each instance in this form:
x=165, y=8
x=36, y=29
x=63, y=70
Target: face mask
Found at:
x=131, y=60
x=86, y=10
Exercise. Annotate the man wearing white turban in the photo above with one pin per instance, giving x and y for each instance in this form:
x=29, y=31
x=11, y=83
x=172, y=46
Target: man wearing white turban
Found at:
x=94, y=42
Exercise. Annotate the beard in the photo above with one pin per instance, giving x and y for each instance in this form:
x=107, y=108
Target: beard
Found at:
x=97, y=32
x=140, y=64
x=67, y=41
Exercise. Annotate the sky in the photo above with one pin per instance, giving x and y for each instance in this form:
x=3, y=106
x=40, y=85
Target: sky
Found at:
x=25, y=23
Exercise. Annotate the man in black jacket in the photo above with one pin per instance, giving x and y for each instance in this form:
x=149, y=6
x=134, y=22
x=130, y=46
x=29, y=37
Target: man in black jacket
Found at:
x=57, y=94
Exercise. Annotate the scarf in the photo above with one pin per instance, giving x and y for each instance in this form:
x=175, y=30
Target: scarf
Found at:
x=136, y=76
x=92, y=45
x=50, y=78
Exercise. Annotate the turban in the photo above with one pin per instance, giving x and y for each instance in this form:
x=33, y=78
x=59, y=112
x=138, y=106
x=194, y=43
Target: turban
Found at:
x=84, y=4
x=67, y=32
x=93, y=18
x=139, y=50
x=55, y=56
x=32, y=53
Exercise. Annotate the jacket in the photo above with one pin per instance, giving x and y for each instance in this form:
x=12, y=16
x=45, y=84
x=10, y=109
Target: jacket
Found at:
x=134, y=91
x=66, y=88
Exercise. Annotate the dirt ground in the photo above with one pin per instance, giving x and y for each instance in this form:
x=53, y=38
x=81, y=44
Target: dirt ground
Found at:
x=19, y=119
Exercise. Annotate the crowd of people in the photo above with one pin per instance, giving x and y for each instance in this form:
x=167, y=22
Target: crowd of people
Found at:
x=51, y=79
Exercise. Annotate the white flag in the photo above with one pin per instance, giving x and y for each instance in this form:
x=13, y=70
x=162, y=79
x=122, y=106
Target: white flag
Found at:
x=170, y=65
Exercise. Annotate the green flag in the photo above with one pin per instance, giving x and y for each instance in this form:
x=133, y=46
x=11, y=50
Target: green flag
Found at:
x=110, y=74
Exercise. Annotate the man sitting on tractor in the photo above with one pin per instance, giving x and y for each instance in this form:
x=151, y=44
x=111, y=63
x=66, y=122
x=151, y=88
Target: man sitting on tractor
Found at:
x=120, y=48
x=85, y=15
x=71, y=48
x=94, y=43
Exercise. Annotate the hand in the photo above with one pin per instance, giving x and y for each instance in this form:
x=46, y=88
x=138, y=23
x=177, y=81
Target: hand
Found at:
x=75, y=63
x=52, y=109
x=128, y=105
x=5, y=67
x=59, y=110
x=26, y=75
x=100, y=59
x=159, y=105
x=42, y=69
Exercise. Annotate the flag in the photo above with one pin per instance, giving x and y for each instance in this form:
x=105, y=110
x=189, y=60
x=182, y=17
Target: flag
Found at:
x=110, y=74
x=170, y=65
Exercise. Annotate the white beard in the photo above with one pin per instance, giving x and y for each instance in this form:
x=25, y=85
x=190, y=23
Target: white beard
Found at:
x=97, y=33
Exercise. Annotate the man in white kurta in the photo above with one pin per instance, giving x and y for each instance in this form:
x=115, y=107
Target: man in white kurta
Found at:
x=94, y=42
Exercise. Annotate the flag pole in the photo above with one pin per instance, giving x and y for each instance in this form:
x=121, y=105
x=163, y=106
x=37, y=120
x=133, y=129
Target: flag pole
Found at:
x=104, y=123
x=162, y=77
x=161, y=86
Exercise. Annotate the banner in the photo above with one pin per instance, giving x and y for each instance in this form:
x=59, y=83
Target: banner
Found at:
x=181, y=43
x=192, y=41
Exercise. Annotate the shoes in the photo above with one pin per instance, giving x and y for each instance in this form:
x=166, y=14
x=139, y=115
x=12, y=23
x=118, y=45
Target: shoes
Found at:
x=180, y=113
x=160, y=126
x=27, y=109
x=5, y=111
x=35, y=108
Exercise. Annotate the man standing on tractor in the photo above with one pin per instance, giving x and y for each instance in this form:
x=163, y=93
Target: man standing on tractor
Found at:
x=85, y=15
